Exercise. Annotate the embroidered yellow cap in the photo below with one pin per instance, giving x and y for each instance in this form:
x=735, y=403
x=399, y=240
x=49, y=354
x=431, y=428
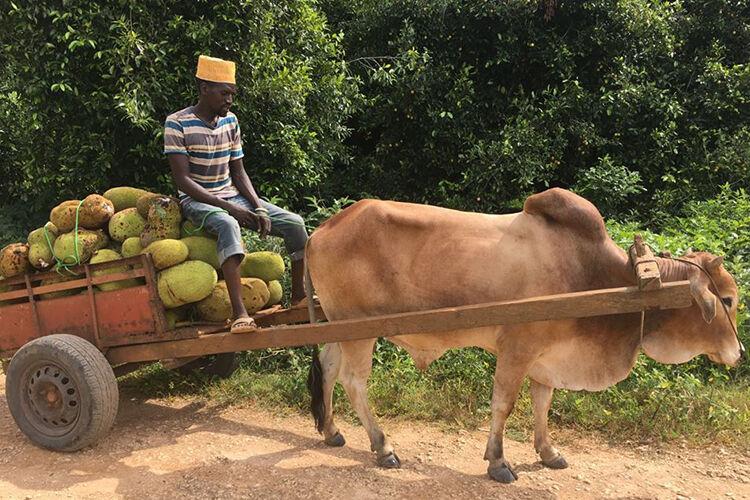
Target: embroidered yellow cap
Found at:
x=216, y=70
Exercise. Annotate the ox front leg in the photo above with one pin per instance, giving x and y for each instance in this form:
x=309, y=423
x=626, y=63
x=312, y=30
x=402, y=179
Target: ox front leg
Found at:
x=541, y=396
x=505, y=389
x=356, y=366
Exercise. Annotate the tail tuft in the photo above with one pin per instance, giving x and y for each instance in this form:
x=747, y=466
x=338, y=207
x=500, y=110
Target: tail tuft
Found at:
x=315, y=386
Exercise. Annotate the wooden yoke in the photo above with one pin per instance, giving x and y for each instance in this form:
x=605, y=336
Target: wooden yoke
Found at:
x=644, y=265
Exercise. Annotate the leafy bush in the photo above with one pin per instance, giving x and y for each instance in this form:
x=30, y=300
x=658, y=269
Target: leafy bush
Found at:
x=477, y=104
x=95, y=81
x=16, y=222
x=608, y=186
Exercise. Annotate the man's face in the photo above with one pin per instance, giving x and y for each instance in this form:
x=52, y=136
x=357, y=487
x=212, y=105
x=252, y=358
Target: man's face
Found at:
x=218, y=96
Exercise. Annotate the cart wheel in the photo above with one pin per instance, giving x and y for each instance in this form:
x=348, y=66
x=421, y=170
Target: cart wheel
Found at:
x=217, y=365
x=61, y=392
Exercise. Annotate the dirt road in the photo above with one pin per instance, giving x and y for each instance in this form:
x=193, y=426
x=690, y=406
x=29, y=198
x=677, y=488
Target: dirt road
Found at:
x=189, y=449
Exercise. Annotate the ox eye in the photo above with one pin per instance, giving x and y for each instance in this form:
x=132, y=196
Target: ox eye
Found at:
x=727, y=301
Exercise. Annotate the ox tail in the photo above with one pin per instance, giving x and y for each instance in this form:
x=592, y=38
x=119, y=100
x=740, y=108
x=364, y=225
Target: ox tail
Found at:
x=315, y=376
x=315, y=386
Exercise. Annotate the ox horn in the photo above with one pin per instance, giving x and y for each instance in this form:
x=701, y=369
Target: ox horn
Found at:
x=715, y=263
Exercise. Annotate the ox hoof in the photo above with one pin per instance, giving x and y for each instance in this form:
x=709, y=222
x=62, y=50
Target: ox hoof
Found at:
x=335, y=440
x=502, y=473
x=558, y=462
x=389, y=461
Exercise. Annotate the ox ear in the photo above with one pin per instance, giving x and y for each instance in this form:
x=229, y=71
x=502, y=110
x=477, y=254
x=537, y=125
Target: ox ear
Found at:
x=705, y=299
x=715, y=263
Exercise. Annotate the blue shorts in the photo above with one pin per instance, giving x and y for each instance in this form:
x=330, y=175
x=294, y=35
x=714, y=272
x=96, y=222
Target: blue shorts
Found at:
x=284, y=224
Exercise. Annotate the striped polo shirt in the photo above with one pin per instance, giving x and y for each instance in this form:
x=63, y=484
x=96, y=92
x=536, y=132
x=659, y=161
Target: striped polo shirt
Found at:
x=209, y=147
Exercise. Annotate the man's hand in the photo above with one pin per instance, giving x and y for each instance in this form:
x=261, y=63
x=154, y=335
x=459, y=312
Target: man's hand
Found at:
x=258, y=221
x=244, y=216
x=264, y=223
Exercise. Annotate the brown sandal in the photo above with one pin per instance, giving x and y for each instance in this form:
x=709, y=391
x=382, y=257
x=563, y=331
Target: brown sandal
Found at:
x=243, y=325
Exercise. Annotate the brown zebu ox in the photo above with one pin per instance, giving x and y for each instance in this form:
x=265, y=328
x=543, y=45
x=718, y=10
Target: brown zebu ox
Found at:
x=379, y=257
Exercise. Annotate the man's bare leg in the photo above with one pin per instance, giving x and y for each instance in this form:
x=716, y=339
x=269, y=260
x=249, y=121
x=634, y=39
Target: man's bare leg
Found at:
x=298, y=281
x=242, y=322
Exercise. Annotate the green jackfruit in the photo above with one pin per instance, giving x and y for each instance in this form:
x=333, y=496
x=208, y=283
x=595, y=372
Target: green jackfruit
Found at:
x=131, y=246
x=190, y=229
x=40, y=253
x=102, y=241
x=167, y=253
x=63, y=216
x=106, y=255
x=95, y=212
x=276, y=293
x=14, y=259
x=125, y=224
x=88, y=243
x=145, y=202
x=164, y=217
x=124, y=197
x=37, y=235
x=184, y=283
x=257, y=300
x=165, y=209
x=267, y=266
x=156, y=232
x=218, y=306
x=201, y=248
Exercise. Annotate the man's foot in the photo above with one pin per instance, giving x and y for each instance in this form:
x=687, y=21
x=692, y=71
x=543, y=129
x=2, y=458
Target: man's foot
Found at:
x=243, y=325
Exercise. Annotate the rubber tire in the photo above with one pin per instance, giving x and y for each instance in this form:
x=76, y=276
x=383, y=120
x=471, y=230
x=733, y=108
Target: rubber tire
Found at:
x=93, y=377
x=217, y=365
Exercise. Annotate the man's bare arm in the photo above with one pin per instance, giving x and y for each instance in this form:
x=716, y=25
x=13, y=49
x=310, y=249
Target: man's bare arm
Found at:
x=180, y=166
x=244, y=185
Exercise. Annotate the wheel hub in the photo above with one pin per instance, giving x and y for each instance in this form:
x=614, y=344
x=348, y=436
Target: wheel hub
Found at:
x=51, y=399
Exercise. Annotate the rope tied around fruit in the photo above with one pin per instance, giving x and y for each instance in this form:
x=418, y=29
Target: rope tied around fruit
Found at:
x=62, y=264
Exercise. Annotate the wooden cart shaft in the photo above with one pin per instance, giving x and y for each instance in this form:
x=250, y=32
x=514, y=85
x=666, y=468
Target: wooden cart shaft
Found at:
x=552, y=307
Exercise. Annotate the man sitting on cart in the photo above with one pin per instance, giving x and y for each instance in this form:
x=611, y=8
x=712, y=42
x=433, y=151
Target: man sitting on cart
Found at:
x=204, y=148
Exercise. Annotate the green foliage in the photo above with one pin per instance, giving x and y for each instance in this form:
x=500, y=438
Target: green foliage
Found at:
x=16, y=222
x=608, y=186
x=93, y=82
x=474, y=104
x=319, y=211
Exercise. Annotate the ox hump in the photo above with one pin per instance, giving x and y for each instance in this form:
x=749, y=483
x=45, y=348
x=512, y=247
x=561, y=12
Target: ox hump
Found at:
x=566, y=209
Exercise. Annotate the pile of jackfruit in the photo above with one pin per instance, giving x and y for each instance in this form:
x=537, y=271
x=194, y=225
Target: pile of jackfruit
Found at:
x=127, y=221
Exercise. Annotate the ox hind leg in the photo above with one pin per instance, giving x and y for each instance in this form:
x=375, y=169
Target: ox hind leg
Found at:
x=505, y=388
x=330, y=360
x=351, y=362
x=541, y=396
x=356, y=366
